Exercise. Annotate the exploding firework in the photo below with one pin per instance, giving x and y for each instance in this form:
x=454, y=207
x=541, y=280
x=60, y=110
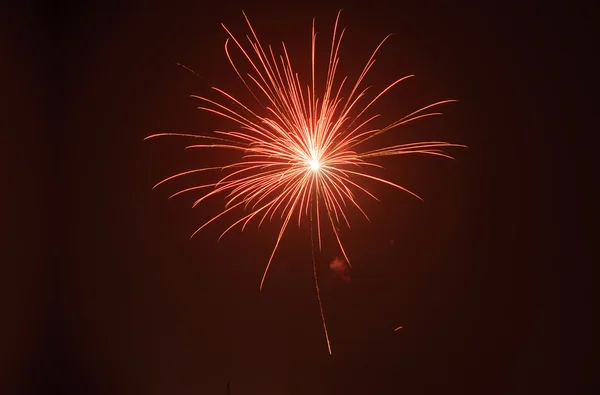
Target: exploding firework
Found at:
x=301, y=154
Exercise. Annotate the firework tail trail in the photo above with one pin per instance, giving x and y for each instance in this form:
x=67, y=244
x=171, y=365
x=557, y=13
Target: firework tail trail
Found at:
x=302, y=149
x=314, y=264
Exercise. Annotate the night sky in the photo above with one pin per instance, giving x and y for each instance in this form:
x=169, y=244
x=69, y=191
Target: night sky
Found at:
x=125, y=303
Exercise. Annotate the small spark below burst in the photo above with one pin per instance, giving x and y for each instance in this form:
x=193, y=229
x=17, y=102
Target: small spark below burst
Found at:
x=340, y=269
x=302, y=154
x=398, y=328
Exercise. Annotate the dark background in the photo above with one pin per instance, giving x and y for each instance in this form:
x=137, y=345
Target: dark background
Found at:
x=112, y=298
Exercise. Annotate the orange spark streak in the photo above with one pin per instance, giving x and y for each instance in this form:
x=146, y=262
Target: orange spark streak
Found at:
x=298, y=150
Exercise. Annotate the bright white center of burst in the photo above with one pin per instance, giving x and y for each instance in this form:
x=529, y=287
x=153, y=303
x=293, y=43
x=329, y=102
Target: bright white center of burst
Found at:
x=314, y=164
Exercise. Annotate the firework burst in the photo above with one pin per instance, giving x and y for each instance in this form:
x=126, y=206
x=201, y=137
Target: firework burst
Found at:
x=301, y=154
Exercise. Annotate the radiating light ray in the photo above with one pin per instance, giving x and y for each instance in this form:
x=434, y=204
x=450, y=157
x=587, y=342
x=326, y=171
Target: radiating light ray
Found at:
x=301, y=150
